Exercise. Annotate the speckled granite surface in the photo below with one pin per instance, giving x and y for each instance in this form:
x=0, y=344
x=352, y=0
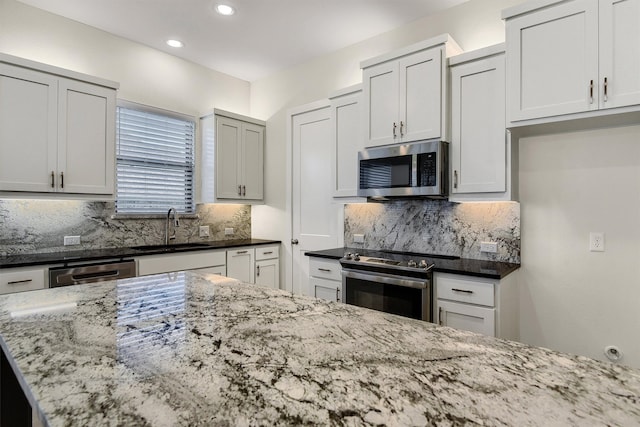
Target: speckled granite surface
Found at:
x=189, y=349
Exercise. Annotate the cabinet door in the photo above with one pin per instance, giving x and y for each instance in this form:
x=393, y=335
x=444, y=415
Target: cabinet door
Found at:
x=28, y=129
x=619, y=53
x=227, y=164
x=268, y=273
x=381, y=86
x=552, y=67
x=421, y=96
x=466, y=317
x=252, y=161
x=326, y=289
x=240, y=265
x=346, y=115
x=86, y=138
x=478, y=142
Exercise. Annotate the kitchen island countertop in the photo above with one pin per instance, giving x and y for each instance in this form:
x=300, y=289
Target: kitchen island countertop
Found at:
x=194, y=349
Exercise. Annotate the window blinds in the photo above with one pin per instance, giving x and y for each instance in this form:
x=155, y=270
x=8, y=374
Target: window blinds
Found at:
x=155, y=162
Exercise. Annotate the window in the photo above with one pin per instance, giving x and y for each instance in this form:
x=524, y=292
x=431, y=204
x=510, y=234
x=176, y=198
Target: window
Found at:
x=154, y=160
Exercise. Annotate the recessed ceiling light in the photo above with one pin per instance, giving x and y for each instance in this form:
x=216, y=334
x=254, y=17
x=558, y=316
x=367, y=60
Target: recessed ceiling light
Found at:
x=175, y=43
x=225, y=9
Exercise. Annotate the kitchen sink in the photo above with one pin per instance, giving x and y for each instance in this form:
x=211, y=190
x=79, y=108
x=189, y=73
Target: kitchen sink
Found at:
x=171, y=248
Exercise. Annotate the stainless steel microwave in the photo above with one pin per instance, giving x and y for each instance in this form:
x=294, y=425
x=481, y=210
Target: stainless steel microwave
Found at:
x=418, y=169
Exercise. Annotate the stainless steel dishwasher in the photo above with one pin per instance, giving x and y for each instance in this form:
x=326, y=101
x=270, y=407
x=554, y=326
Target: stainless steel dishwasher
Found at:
x=90, y=273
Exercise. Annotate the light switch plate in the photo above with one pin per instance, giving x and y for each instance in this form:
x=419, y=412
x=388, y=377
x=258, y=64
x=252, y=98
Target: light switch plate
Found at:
x=228, y=231
x=491, y=247
x=204, y=231
x=71, y=240
x=358, y=238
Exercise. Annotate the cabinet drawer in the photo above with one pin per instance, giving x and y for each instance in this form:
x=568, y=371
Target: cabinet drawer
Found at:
x=463, y=289
x=326, y=269
x=267, y=252
x=21, y=280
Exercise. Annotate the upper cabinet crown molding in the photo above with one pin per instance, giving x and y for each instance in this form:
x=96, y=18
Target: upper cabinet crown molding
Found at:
x=572, y=60
x=57, y=71
x=405, y=93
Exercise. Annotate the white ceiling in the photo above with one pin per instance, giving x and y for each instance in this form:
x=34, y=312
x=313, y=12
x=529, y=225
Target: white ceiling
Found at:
x=263, y=36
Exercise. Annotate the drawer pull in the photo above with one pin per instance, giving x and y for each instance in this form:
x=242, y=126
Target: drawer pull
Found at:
x=462, y=290
x=326, y=270
x=242, y=252
x=268, y=252
x=17, y=282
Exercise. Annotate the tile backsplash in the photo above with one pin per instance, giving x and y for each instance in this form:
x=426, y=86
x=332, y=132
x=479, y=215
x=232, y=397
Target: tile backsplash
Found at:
x=36, y=226
x=435, y=226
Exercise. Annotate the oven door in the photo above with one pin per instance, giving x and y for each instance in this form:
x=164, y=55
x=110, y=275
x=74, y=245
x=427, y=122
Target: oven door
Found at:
x=404, y=296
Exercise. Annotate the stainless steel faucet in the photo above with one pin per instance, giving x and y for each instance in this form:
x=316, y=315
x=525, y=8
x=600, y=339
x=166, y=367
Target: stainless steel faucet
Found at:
x=176, y=223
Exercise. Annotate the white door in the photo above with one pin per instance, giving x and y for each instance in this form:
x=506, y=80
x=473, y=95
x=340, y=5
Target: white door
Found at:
x=380, y=90
x=28, y=129
x=619, y=53
x=552, y=66
x=478, y=147
x=316, y=219
x=421, y=95
x=252, y=161
x=86, y=138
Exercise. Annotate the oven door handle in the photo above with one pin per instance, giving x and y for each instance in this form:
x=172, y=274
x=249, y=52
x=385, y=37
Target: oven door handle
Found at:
x=388, y=279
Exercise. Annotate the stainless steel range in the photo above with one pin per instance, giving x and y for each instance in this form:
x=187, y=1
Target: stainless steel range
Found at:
x=398, y=283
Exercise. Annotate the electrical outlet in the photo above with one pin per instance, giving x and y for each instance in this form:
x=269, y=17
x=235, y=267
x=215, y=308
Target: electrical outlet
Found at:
x=596, y=241
x=204, y=231
x=228, y=231
x=491, y=247
x=358, y=238
x=71, y=240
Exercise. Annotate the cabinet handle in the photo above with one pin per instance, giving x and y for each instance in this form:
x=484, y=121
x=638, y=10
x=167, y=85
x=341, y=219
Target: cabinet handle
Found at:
x=241, y=252
x=268, y=253
x=462, y=290
x=244, y=190
x=325, y=270
x=401, y=128
x=53, y=179
x=61, y=179
x=440, y=316
x=591, y=92
x=17, y=282
x=606, y=85
x=337, y=294
x=239, y=190
x=394, y=129
x=455, y=179
x=257, y=270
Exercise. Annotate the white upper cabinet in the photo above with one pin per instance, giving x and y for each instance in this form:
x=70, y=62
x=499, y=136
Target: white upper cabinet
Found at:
x=571, y=57
x=405, y=93
x=480, y=149
x=346, y=118
x=57, y=134
x=232, y=158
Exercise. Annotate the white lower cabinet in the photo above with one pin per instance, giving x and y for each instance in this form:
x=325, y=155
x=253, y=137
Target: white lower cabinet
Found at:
x=268, y=266
x=22, y=279
x=485, y=306
x=212, y=261
x=325, y=279
x=241, y=264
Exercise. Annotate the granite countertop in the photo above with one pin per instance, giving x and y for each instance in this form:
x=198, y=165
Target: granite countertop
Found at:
x=199, y=350
x=26, y=260
x=469, y=267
